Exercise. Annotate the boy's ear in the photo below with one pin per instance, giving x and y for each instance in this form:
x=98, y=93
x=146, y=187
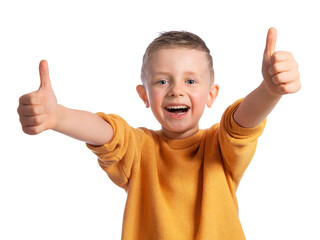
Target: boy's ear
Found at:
x=143, y=94
x=214, y=89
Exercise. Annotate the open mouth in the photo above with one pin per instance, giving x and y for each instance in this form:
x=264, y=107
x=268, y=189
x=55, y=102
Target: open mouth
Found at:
x=177, y=110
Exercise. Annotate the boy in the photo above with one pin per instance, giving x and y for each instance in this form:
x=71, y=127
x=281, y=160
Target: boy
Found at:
x=180, y=181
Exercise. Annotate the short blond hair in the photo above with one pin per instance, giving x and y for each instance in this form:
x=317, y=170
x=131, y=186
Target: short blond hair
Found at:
x=177, y=39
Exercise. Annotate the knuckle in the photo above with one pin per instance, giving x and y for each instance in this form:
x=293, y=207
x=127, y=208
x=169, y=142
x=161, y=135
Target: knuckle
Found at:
x=296, y=87
x=35, y=130
x=32, y=121
x=33, y=110
x=282, y=88
x=19, y=110
x=25, y=99
x=35, y=100
x=275, y=68
x=30, y=98
x=32, y=130
x=27, y=130
x=22, y=120
x=272, y=59
x=38, y=129
x=289, y=55
x=282, y=56
x=276, y=79
x=38, y=120
x=36, y=110
x=286, y=89
x=299, y=86
x=271, y=70
x=276, y=57
x=22, y=98
x=24, y=129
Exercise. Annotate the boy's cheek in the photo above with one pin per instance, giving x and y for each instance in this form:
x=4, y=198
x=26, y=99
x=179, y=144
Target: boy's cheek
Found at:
x=155, y=100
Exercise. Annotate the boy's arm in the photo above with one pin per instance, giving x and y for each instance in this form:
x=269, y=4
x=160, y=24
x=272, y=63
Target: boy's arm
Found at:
x=281, y=76
x=39, y=111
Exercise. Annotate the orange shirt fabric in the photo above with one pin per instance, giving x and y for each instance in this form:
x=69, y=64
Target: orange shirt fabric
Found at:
x=181, y=189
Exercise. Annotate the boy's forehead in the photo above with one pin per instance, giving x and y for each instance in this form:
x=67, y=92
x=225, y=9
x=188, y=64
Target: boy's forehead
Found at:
x=187, y=57
x=164, y=51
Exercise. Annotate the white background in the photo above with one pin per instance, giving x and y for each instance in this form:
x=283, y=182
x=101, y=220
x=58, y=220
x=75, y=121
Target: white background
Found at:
x=51, y=186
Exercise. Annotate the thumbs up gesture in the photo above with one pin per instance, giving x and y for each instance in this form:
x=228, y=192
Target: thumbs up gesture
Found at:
x=38, y=109
x=279, y=69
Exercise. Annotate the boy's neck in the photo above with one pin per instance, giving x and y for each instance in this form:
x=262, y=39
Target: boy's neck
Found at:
x=179, y=135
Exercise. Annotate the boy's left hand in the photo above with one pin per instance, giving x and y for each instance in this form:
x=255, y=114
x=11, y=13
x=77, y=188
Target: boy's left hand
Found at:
x=279, y=69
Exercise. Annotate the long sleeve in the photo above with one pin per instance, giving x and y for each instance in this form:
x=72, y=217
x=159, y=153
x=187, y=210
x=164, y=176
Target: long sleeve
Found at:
x=117, y=158
x=237, y=144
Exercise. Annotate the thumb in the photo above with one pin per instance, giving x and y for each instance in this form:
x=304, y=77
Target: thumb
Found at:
x=270, y=43
x=44, y=75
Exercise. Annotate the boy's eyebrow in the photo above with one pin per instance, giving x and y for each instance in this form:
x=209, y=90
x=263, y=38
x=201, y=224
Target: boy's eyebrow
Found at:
x=190, y=73
x=161, y=73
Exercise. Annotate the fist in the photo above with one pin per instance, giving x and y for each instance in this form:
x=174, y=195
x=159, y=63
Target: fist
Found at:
x=38, y=109
x=279, y=69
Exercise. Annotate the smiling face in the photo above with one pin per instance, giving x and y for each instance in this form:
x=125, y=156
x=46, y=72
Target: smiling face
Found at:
x=177, y=87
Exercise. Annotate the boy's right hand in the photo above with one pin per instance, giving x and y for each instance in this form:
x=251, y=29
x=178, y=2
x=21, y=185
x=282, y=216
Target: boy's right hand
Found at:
x=38, y=109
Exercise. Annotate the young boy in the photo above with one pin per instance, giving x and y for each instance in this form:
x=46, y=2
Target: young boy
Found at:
x=180, y=181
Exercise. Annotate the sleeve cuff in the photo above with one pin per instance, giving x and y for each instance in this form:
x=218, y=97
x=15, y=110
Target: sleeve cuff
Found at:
x=110, y=146
x=234, y=129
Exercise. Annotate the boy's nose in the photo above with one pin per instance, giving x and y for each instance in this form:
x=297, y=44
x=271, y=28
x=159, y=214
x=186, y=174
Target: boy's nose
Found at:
x=176, y=91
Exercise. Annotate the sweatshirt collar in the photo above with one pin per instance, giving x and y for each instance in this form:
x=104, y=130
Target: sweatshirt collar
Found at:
x=184, y=142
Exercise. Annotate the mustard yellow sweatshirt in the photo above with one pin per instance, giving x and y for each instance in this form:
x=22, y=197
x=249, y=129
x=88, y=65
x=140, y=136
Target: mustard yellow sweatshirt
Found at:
x=179, y=189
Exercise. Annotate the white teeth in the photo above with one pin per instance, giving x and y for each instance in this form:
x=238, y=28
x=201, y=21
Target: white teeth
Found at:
x=177, y=107
x=179, y=113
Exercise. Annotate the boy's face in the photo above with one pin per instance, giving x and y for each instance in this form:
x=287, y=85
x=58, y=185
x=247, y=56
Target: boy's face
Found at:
x=177, y=87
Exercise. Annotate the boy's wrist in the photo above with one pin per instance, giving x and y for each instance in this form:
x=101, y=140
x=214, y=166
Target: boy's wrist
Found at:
x=60, y=112
x=265, y=90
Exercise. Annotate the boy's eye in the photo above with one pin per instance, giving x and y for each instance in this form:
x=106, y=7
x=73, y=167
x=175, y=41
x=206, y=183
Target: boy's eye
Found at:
x=162, y=82
x=190, y=81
